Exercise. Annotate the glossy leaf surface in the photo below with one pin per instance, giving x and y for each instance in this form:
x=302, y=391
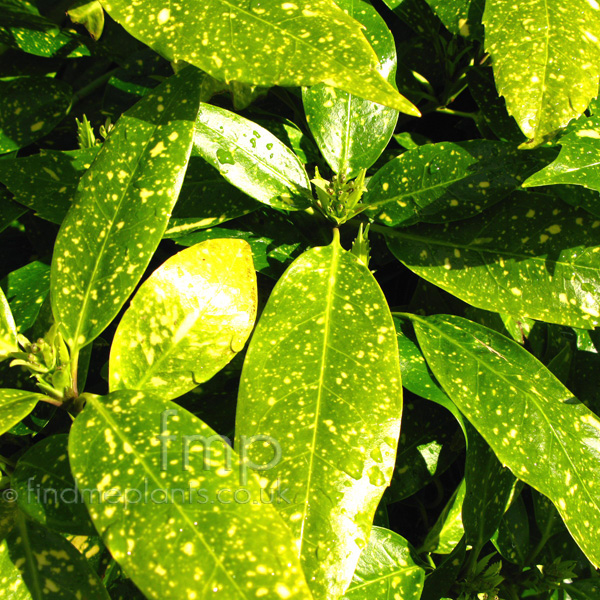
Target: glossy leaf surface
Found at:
x=122, y=207
x=545, y=57
x=8, y=329
x=386, y=570
x=461, y=17
x=266, y=43
x=181, y=515
x=46, y=489
x=448, y=530
x=36, y=564
x=528, y=257
x=534, y=425
x=512, y=538
x=30, y=107
x=446, y=181
x=15, y=405
x=351, y=132
x=335, y=412
x=187, y=320
x=251, y=158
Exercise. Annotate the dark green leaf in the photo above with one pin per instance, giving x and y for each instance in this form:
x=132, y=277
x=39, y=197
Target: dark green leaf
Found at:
x=322, y=377
x=30, y=107
x=528, y=257
x=9, y=211
x=532, y=422
x=265, y=43
x=122, y=207
x=251, y=158
x=386, y=570
x=512, y=538
x=439, y=582
x=351, y=132
x=177, y=481
x=188, y=320
x=461, y=17
x=545, y=58
x=90, y=14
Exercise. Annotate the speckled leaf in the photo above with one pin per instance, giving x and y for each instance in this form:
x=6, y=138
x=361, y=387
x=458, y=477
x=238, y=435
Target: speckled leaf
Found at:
x=251, y=158
x=512, y=537
x=46, y=182
x=8, y=329
x=446, y=181
x=386, y=570
x=351, y=132
x=90, y=14
x=577, y=162
x=488, y=486
x=583, y=589
x=265, y=42
x=9, y=210
x=46, y=489
x=37, y=564
x=199, y=540
x=206, y=200
x=545, y=58
x=187, y=320
x=15, y=405
x=30, y=107
x=448, y=529
x=534, y=425
x=26, y=289
x=461, y=17
x=529, y=256
x=122, y=207
x=439, y=582
x=321, y=376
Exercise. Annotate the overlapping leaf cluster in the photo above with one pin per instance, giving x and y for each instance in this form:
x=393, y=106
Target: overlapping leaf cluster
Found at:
x=299, y=299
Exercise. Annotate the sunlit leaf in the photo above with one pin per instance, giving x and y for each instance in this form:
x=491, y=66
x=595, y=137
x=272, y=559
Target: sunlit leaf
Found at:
x=321, y=376
x=15, y=405
x=187, y=320
x=8, y=329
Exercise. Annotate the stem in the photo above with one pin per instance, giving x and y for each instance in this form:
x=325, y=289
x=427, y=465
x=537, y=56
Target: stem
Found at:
x=7, y=461
x=50, y=400
x=456, y=113
x=336, y=235
x=74, y=366
x=93, y=86
x=472, y=562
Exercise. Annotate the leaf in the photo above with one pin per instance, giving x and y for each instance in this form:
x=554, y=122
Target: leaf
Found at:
x=351, y=132
x=460, y=17
x=90, y=14
x=30, y=107
x=26, y=289
x=531, y=421
x=322, y=377
x=36, y=564
x=448, y=530
x=206, y=200
x=577, y=162
x=8, y=329
x=188, y=320
x=121, y=209
x=512, y=539
x=267, y=43
x=448, y=181
x=46, y=182
x=528, y=257
x=488, y=491
x=9, y=211
x=183, y=498
x=545, y=58
x=439, y=582
x=251, y=158
x=15, y=405
x=46, y=489
x=386, y=570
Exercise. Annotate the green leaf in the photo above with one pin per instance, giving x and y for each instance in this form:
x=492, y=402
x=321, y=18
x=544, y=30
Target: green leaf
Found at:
x=448, y=181
x=267, y=43
x=531, y=421
x=37, y=564
x=439, y=582
x=122, y=207
x=322, y=377
x=206, y=200
x=488, y=489
x=512, y=538
x=545, y=57
x=251, y=158
x=46, y=182
x=461, y=17
x=8, y=329
x=90, y=14
x=577, y=162
x=16, y=405
x=386, y=570
x=46, y=489
x=30, y=107
x=528, y=256
x=188, y=320
x=9, y=211
x=351, y=132
x=448, y=530
x=26, y=289
x=189, y=505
